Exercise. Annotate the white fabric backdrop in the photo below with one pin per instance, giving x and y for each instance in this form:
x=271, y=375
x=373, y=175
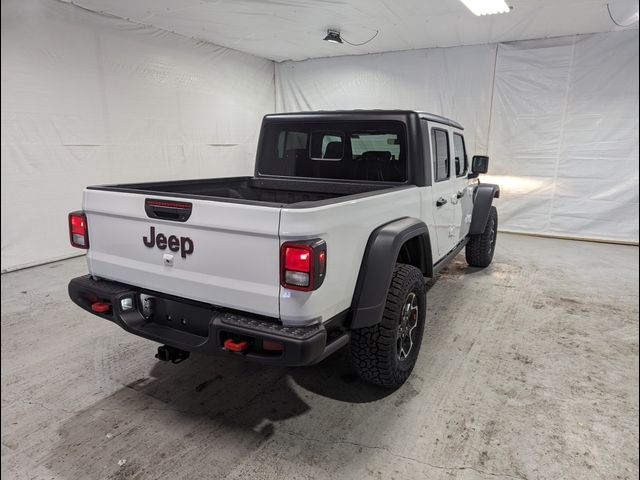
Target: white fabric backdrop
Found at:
x=455, y=82
x=564, y=135
x=562, y=129
x=89, y=100
x=92, y=99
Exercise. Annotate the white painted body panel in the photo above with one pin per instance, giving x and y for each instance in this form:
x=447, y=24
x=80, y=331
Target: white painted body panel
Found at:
x=235, y=262
x=345, y=227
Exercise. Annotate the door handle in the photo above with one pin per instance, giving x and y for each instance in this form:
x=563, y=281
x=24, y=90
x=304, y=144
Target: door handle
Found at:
x=440, y=202
x=459, y=195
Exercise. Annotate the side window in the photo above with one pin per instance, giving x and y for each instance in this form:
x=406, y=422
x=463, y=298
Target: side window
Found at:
x=441, y=157
x=460, y=155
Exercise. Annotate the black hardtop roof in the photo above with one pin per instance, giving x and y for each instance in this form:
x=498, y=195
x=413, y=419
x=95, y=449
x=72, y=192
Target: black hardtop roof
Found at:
x=431, y=117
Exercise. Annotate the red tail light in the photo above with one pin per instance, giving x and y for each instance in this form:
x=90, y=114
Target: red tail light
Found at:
x=78, y=230
x=298, y=258
x=303, y=264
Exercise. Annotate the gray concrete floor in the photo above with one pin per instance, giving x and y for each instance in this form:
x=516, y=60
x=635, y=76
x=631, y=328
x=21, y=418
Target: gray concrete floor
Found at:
x=528, y=369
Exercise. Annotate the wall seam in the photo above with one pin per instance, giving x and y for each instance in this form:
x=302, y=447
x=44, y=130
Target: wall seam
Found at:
x=563, y=120
x=150, y=25
x=493, y=91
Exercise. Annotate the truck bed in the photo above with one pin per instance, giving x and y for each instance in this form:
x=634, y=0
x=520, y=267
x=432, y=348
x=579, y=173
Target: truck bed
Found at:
x=253, y=190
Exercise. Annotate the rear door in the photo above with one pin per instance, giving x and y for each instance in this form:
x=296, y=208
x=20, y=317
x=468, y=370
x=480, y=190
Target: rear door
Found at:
x=443, y=185
x=225, y=253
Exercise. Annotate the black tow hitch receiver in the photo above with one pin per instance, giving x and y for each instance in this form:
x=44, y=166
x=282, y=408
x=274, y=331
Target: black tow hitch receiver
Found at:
x=170, y=354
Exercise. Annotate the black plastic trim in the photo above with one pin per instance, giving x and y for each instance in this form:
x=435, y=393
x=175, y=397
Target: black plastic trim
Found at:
x=483, y=199
x=431, y=117
x=164, y=210
x=449, y=256
x=303, y=345
x=377, y=267
x=342, y=189
x=154, y=189
x=426, y=152
x=332, y=201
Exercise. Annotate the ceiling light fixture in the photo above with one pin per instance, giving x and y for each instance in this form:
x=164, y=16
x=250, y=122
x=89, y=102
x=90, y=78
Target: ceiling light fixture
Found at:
x=333, y=36
x=486, y=7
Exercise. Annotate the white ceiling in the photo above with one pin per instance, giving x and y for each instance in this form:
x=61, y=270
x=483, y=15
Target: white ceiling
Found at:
x=293, y=29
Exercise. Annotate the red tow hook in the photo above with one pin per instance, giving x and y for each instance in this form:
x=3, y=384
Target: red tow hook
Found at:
x=232, y=346
x=101, y=307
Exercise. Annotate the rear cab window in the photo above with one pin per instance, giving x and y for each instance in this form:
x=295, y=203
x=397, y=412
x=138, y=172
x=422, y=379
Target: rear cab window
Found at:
x=350, y=150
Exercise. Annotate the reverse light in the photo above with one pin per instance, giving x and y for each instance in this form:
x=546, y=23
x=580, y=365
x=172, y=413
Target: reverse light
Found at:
x=298, y=279
x=486, y=7
x=303, y=264
x=78, y=230
x=126, y=303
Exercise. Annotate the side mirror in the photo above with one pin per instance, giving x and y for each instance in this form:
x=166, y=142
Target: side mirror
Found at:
x=479, y=164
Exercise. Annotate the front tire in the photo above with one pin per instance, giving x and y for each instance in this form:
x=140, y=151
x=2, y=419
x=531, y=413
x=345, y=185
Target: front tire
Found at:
x=480, y=249
x=385, y=353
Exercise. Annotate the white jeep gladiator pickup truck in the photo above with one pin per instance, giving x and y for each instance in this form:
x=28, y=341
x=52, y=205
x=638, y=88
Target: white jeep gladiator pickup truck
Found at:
x=327, y=244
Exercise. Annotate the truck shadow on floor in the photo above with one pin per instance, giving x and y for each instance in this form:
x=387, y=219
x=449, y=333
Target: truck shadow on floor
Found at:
x=205, y=414
x=211, y=413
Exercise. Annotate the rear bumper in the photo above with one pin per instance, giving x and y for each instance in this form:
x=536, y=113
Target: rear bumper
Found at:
x=198, y=327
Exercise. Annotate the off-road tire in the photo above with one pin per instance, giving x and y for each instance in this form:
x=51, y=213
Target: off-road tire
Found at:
x=479, y=251
x=375, y=349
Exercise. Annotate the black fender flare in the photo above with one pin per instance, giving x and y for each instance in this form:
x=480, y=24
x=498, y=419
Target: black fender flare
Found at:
x=482, y=201
x=377, y=266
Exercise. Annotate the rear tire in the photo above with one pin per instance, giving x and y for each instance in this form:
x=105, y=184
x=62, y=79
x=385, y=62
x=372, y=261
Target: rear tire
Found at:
x=481, y=247
x=385, y=353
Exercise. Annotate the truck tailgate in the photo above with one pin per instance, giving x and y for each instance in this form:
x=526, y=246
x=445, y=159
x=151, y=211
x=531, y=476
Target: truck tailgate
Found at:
x=234, y=260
